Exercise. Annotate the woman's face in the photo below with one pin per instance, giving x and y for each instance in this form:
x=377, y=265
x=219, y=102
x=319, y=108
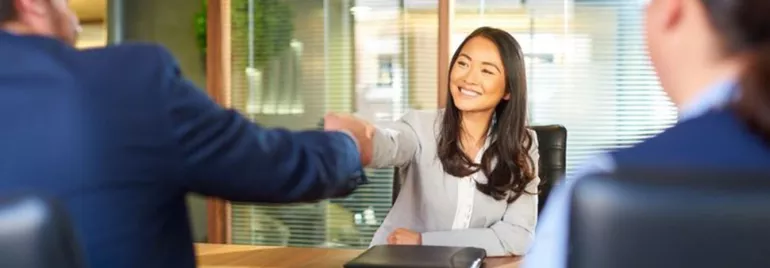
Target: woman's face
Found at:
x=477, y=78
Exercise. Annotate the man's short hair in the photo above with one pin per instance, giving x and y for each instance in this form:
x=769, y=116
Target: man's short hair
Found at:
x=7, y=11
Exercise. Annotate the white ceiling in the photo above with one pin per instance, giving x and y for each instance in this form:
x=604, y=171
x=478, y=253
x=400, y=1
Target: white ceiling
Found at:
x=90, y=10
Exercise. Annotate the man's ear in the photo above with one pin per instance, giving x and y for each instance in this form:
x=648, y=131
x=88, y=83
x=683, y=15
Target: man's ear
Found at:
x=672, y=12
x=664, y=15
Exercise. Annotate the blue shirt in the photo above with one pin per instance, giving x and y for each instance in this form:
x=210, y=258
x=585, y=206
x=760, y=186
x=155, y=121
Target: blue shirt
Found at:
x=550, y=247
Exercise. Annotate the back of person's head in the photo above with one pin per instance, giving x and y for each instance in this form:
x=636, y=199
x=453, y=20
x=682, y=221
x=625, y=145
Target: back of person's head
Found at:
x=7, y=11
x=744, y=26
x=693, y=43
x=51, y=18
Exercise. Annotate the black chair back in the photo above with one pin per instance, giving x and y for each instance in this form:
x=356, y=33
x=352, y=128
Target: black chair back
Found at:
x=552, y=140
x=666, y=220
x=396, y=185
x=35, y=232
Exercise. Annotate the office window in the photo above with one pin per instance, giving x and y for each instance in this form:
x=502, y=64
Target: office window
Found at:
x=294, y=60
x=586, y=68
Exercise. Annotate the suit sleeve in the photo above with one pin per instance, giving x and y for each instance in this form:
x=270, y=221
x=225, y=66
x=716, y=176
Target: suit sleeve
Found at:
x=512, y=235
x=228, y=156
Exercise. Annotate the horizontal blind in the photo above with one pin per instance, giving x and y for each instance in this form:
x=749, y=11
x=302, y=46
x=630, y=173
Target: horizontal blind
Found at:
x=586, y=68
x=585, y=63
x=294, y=60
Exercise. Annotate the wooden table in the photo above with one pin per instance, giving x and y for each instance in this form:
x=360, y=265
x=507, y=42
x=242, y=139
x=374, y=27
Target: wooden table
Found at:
x=242, y=256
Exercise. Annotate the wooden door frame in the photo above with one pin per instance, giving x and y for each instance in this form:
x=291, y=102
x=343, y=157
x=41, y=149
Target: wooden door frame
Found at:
x=218, y=86
x=445, y=13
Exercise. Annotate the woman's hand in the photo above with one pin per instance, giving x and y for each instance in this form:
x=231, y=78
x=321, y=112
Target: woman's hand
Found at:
x=361, y=130
x=403, y=236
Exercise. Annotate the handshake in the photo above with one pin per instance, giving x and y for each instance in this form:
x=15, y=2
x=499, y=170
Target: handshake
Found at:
x=360, y=130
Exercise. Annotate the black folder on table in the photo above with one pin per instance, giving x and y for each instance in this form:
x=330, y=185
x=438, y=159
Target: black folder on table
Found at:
x=398, y=256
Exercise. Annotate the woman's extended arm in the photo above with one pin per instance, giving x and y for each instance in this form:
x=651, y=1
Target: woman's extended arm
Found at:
x=395, y=144
x=384, y=145
x=512, y=235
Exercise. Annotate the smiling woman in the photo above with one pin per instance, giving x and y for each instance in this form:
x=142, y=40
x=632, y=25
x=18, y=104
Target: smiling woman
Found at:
x=482, y=192
x=477, y=82
x=487, y=79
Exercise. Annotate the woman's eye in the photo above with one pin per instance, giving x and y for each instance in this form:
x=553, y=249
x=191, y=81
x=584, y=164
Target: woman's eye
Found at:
x=487, y=71
x=462, y=63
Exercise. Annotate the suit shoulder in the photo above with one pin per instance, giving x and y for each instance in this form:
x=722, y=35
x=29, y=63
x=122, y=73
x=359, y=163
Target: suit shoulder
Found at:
x=714, y=138
x=131, y=72
x=147, y=55
x=683, y=134
x=426, y=123
x=133, y=48
x=422, y=116
x=134, y=65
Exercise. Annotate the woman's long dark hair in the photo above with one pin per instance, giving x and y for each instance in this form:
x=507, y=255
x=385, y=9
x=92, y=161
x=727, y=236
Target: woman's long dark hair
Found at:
x=744, y=26
x=510, y=141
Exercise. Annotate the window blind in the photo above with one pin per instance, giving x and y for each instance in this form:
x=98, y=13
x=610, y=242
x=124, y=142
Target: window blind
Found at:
x=586, y=70
x=295, y=60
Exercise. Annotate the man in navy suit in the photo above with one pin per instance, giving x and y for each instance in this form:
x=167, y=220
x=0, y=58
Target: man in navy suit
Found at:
x=120, y=137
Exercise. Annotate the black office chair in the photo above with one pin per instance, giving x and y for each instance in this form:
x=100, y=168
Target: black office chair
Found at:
x=552, y=140
x=396, y=185
x=672, y=219
x=35, y=232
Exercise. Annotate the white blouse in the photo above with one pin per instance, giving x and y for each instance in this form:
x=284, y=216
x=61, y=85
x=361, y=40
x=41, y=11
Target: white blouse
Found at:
x=447, y=210
x=465, y=191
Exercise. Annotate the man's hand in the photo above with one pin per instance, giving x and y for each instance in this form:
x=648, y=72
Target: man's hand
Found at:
x=403, y=236
x=361, y=130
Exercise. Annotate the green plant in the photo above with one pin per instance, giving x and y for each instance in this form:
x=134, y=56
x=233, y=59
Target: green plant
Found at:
x=272, y=26
x=200, y=28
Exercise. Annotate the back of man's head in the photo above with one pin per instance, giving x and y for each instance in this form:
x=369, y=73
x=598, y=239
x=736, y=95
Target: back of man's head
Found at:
x=7, y=11
x=51, y=18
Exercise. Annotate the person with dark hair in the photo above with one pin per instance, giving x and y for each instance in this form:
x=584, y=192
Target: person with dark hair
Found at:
x=120, y=137
x=469, y=171
x=713, y=61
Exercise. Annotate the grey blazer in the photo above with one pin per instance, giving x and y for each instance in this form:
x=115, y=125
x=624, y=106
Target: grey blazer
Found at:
x=429, y=198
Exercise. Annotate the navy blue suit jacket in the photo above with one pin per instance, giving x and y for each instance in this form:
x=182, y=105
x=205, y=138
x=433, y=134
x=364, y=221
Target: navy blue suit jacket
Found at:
x=120, y=137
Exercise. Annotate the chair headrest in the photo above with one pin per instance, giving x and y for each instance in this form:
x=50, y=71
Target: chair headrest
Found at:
x=670, y=218
x=35, y=232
